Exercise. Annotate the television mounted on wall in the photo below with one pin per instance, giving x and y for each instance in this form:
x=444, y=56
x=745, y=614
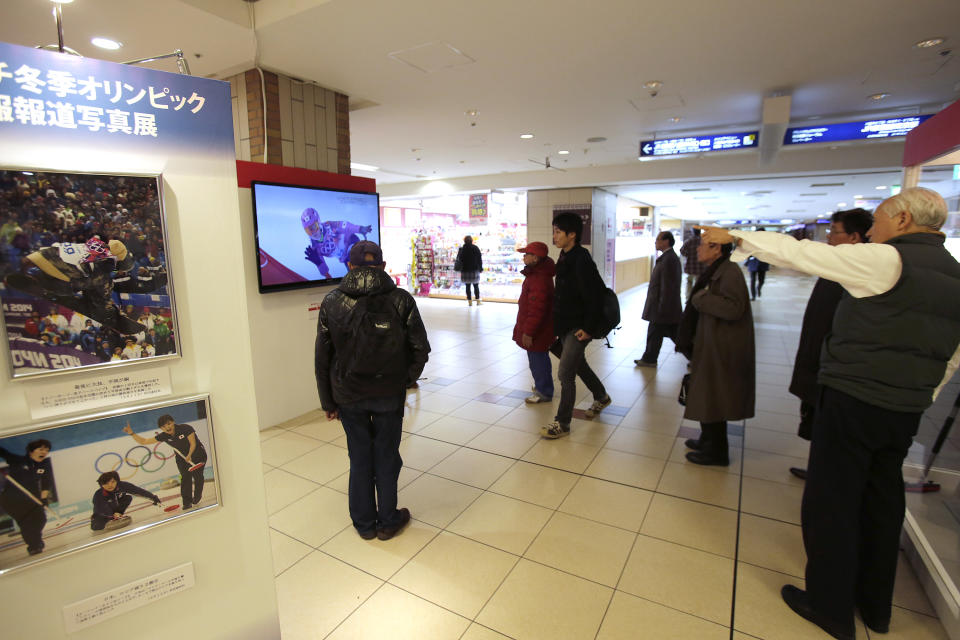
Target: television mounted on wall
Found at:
x=304, y=234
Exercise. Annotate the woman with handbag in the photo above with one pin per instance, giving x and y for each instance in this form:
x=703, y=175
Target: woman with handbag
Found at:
x=469, y=263
x=716, y=334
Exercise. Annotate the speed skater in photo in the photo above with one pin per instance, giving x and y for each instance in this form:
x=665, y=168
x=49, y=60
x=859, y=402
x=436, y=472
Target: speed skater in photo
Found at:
x=27, y=489
x=331, y=239
x=111, y=500
x=191, y=455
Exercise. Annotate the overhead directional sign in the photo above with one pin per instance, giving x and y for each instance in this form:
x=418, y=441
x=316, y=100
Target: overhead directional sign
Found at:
x=863, y=130
x=698, y=144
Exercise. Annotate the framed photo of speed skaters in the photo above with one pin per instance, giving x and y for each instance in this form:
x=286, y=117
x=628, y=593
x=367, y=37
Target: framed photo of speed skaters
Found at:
x=73, y=484
x=84, y=273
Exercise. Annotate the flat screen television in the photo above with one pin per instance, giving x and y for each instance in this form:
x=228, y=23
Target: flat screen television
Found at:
x=304, y=234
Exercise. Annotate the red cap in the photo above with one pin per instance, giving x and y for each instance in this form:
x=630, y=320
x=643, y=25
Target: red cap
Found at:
x=536, y=248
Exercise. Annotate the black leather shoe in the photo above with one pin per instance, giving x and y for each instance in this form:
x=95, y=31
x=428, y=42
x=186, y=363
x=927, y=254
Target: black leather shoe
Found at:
x=368, y=535
x=708, y=459
x=796, y=599
x=799, y=473
x=388, y=532
x=875, y=625
x=693, y=443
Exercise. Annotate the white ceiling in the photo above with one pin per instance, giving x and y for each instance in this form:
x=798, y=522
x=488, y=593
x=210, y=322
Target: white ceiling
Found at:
x=565, y=70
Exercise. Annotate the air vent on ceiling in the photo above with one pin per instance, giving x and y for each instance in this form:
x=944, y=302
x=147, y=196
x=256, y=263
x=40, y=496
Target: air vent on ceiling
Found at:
x=796, y=211
x=811, y=195
x=705, y=197
x=696, y=189
x=827, y=184
x=759, y=193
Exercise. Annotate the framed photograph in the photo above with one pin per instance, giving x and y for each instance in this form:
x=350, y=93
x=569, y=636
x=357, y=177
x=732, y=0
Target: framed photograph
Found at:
x=73, y=484
x=84, y=279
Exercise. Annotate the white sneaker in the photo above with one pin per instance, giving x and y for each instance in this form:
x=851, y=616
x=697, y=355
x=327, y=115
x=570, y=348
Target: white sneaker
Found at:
x=597, y=407
x=555, y=430
x=536, y=398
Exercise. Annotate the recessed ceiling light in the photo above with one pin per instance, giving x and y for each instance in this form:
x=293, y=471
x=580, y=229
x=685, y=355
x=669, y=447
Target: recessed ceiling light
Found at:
x=526, y=136
x=363, y=167
x=858, y=197
x=61, y=1
x=929, y=42
x=676, y=119
x=652, y=84
x=106, y=43
x=877, y=97
x=881, y=187
x=841, y=204
x=471, y=112
x=563, y=152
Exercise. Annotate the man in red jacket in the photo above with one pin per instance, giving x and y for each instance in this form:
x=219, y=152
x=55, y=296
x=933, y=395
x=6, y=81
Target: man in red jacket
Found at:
x=534, y=328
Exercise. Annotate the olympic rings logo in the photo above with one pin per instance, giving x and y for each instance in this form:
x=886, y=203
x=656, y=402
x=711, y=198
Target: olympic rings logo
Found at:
x=131, y=459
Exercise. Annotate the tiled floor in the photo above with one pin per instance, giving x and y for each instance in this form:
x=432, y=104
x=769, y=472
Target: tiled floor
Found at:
x=608, y=534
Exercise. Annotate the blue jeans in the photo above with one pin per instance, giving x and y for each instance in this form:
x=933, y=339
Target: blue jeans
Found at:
x=373, y=430
x=573, y=363
x=542, y=372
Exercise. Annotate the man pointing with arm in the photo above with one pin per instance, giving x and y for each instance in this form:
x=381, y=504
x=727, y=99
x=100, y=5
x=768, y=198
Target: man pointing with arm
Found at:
x=893, y=345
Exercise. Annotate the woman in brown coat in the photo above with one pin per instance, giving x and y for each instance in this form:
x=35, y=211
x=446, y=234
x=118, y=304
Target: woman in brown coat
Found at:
x=717, y=336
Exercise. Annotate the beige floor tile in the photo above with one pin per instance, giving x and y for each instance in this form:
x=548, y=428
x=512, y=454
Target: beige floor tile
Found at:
x=645, y=420
x=608, y=502
x=689, y=580
x=626, y=468
x=441, y=403
x=908, y=593
x=422, y=453
x=562, y=454
x=476, y=468
x=582, y=547
x=286, y=551
x=772, y=544
x=479, y=632
x=324, y=429
x=501, y=522
x=284, y=447
x=533, y=483
x=772, y=499
x=910, y=625
x=641, y=443
x=469, y=388
x=761, y=612
x=784, y=444
x=315, y=518
x=519, y=608
x=272, y=432
x=504, y=441
x=321, y=465
x=453, y=429
x=591, y=432
x=772, y=467
x=310, y=607
x=692, y=524
x=436, y=500
x=416, y=419
x=529, y=418
x=703, y=484
x=382, y=558
x=631, y=618
x=782, y=422
x=282, y=488
x=456, y=573
x=395, y=614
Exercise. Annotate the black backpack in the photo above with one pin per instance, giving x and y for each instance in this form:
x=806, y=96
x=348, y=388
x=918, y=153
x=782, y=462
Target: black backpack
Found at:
x=609, y=313
x=379, y=344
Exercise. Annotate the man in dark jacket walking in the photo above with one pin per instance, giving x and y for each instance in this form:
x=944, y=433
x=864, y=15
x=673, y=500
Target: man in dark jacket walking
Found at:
x=662, y=308
x=577, y=318
x=371, y=344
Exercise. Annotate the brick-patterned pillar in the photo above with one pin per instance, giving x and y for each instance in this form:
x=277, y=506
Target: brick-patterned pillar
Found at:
x=343, y=133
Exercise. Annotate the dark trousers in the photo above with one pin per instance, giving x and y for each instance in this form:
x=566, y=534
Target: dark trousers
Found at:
x=98, y=522
x=476, y=290
x=853, y=506
x=373, y=429
x=29, y=516
x=656, y=332
x=542, y=372
x=191, y=482
x=573, y=363
x=756, y=282
x=713, y=439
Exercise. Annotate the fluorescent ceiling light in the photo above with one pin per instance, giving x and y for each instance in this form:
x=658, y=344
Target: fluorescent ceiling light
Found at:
x=563, y=152
x=929, y=42
x=881, y=187
x=106, y=43
x=363, y=167
x=526, y=136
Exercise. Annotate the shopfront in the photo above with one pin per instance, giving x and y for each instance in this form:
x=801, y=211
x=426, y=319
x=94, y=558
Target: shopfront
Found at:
x=421, y=237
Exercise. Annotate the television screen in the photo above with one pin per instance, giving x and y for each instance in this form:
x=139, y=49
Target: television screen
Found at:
x=304, y=234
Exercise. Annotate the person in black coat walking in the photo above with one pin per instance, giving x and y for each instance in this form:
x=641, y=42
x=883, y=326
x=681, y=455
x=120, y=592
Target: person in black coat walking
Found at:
x=662, y=308
x=471, y=264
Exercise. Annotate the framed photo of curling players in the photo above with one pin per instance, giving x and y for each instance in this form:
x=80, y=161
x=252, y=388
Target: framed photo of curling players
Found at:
x=84, y=271
x=70, y=485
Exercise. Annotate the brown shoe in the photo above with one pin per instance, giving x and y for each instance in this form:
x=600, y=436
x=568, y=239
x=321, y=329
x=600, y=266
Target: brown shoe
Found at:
x=388, y=532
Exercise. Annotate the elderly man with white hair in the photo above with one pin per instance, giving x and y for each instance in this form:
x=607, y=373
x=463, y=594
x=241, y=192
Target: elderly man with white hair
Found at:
x=894, y=343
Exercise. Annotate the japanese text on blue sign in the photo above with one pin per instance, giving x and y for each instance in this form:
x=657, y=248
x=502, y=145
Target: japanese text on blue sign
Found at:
x=698, y=144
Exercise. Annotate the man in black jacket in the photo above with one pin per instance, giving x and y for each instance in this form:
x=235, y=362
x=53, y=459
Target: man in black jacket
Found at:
x=576, y=319
x=662, y=308
x=371, y=344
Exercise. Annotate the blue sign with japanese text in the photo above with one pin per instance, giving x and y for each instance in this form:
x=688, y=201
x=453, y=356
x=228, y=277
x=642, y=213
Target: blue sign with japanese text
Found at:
x=698, y=144
x=46, y=94
x=863, y=130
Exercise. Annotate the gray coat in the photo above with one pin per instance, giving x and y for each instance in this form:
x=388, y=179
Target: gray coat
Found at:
x=723, y=367
x=663, y=294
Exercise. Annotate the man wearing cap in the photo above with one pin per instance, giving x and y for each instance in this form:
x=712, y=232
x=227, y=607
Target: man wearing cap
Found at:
x=371, y=344
x=662, y=309
x=534, y=329
x=894, y=343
